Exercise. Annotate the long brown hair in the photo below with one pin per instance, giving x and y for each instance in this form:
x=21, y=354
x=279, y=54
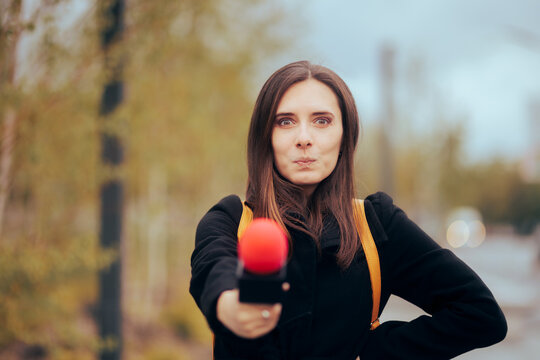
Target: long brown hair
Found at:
x=273, y=196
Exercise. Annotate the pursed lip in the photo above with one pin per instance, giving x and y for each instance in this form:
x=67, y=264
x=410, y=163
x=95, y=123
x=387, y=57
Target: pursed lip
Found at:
x=304, y=161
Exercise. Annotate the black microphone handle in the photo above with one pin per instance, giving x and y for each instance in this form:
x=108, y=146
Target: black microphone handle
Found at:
x=260, y=289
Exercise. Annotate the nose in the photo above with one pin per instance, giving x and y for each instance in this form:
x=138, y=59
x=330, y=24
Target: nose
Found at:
x=304, y=140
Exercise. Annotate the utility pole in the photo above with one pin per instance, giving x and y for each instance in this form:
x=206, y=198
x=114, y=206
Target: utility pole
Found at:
x=530, y=171
x=386, y=143
x=109, y=309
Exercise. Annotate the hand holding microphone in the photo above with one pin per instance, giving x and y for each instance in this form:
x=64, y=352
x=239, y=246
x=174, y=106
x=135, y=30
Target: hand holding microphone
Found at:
x=254, y=308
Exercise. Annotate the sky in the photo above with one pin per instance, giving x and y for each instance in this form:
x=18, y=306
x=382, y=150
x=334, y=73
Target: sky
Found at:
x=479, y=62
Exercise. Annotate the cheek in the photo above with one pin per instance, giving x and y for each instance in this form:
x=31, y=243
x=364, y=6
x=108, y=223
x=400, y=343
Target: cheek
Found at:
x=333, y=148
x=331, y=160
x=279, y=145
x=333, y=145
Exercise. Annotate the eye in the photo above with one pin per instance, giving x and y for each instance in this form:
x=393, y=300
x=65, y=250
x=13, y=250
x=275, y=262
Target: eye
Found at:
x=322, y=121
x=284, y=122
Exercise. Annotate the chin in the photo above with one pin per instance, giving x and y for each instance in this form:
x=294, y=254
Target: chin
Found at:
x=305, y=183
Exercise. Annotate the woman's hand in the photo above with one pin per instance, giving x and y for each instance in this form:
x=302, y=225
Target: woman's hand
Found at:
x=246, y=320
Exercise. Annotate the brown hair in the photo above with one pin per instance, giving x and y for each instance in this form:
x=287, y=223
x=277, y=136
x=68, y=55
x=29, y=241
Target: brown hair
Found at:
x=274, y=197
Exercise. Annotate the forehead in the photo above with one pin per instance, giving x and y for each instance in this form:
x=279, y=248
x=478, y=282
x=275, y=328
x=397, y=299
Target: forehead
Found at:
x=311, y=95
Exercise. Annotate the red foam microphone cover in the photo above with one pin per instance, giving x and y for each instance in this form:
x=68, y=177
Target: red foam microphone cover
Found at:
x=263, y=247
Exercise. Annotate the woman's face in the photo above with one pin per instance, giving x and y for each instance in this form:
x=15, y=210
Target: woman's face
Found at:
x=307, y=133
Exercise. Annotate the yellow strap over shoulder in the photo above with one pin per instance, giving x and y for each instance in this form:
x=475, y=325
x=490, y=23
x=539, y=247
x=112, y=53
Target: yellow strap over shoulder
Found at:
x=372, y=257
x=245, y=220
x=368, y=244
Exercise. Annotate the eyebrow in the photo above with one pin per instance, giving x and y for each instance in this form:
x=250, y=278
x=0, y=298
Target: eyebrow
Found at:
x=317, y=113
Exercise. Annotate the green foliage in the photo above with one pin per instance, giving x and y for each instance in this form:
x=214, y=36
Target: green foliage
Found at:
x=432, y=172
x=45, y=285
x=188, y=73
x=190, y=93
x=184, y=317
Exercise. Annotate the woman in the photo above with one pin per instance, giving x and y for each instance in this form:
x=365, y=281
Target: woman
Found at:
x=303, y=134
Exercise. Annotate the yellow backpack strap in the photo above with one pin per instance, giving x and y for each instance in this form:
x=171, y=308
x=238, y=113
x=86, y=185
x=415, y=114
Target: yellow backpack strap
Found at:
x=245, y=220
x=372, y=257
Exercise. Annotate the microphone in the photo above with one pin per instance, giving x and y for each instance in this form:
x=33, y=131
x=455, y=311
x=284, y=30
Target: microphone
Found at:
x=262, y=252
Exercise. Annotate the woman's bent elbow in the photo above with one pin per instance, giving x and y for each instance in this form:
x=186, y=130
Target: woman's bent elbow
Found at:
x=495, y=327
x=501, y=328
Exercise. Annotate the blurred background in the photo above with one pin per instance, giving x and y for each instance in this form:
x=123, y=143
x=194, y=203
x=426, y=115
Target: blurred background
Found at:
x=123, y=122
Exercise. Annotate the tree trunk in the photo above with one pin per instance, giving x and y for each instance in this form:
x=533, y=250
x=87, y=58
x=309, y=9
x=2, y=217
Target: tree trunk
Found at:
x=10, y=31
x=112, y=191
x=6, y=158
